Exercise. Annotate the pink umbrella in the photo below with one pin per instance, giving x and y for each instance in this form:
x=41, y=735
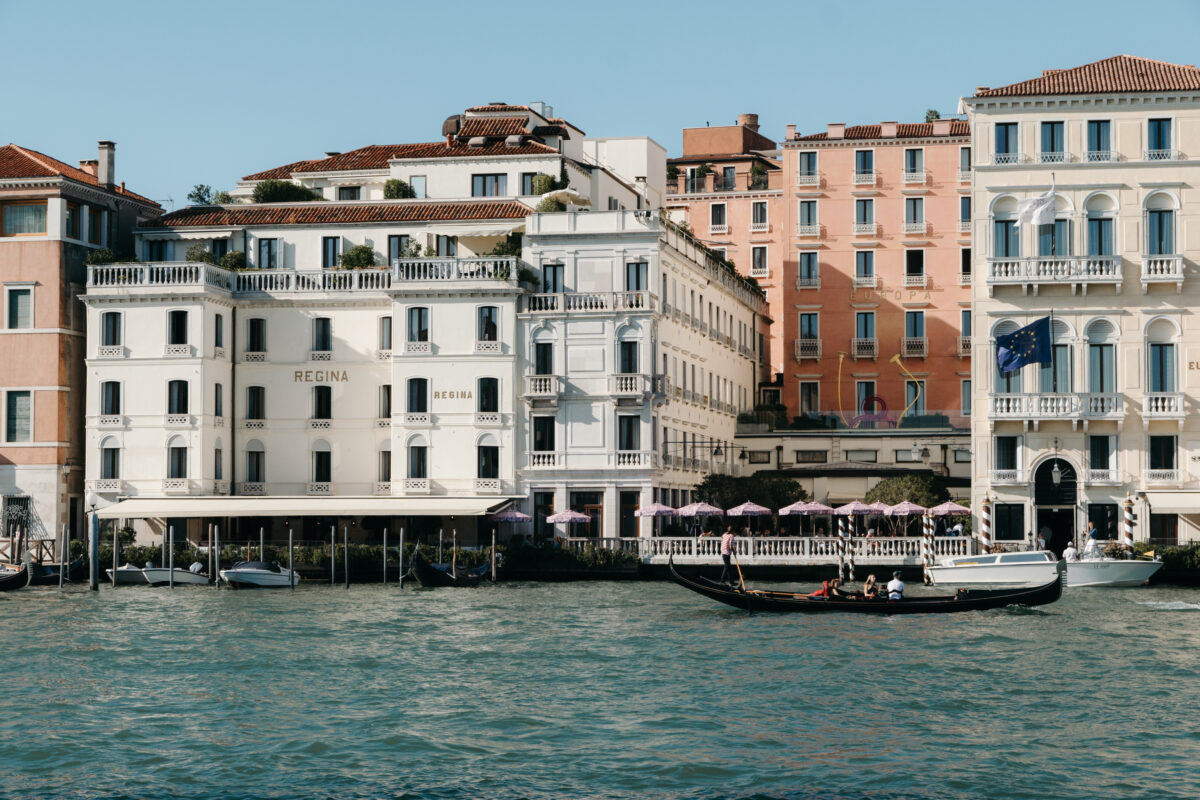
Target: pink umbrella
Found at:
x=655, y=510
x=749, y=510
x=878, y=508
x=568, y=516
x=853, y=509
x=511, y=515
x=904, y=509
x=949, y=507
x=813, y=509
x=795, y=508
x=699, y=510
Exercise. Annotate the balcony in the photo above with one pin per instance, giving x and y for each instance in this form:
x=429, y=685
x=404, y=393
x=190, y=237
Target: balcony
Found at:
x=254, y=356
x=1006, y=158
x=178, y=351
x=106, y=485
x=418, y=419
x=715, y=229
x=866, y=229
x=864, y=348
x=865, y=178
x=543, y=387
x=964, y=347
x=179, y=420
x=808, y=231
x=1053, y=157
x=110, y=421
x=1161, y=155
x=487, y=346
x=636, y=459
x=322, y=424
x=1163, y=405
x=1008, y=477
x=1035, y=406
x=916, y=280
x=416, y=485
x=320, y=355
x=253, y=488
x=629, y=384
x=545, y=459
x=111, y=351
x=382, y=488
x=588, y=302
x=254, y=424
x=808, y=281
x=807, y=348
x=964, y=279
x=964, y=226
x=1095, y=156
x=914, y=346
x=176, y=486
x=319, y=488
x=417, y=348
x=1162, y=269
x=383, y=355
x=1103, y=477
x=808, y=179
x=916, y=177
x=383, y=422
x=1101, y=405
x=760, y=227
x=915, y=228
x=487, y=418
x=964, y=176
x=221, y=487
x=487, y=486
x=865, y=282
x=1162, y=477
x=1076, y=271
x=760, y=272
x=218, y=352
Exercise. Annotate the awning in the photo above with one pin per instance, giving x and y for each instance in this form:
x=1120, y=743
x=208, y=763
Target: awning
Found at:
x=305, y=506
x=1174, y=502
x=493, y=229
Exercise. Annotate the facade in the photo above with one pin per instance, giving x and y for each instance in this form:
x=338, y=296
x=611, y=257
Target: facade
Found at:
x=726, y=187
x=1113, y=416
x=878, y=216
x=53, y=216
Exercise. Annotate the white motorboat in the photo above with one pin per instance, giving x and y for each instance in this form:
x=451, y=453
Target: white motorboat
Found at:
x=1038, y=567
x=161, y=576
x=258, y=575
x=127, y=575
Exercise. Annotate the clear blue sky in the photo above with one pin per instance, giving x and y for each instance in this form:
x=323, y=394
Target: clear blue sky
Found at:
x=205, y=92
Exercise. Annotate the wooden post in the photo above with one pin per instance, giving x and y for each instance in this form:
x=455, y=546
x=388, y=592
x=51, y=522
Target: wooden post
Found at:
x=385, y=556
x=854, y=523
x=454, y=554
x=261, y=540
x=346, y=555
x=985, y=533
x=291, y=563
x=493, y=553
x=926, y=547
x=440, y=559
x=116, y=554
x=211, y=573
x=64, y=552
x=171, y=557
x=400, y=568
x=332, y=555
x=216, y=578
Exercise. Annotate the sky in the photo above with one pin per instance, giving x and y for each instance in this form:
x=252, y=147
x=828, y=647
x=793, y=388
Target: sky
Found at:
x=206, y=92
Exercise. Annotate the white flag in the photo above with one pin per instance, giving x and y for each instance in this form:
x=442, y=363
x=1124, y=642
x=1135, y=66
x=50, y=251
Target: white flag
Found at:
x=1037, y=210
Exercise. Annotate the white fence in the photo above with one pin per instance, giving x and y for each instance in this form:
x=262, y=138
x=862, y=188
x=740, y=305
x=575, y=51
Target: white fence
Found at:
x=780, y=550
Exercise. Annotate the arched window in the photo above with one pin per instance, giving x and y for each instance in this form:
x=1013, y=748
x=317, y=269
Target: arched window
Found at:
x=487, y=457
x=1160, y=356
x=110, y=398
x=256, y=462
x=1006, y=382
x=1160, y=224
x=1054, y=240
x=1102, y=362
x=1055, y=377
x=177, y=397
x=1006, y=232
x=627, y=355
x=322, y=462
x=1101, y=221
x=177, y=458
x=110, y=459
x=418, y=457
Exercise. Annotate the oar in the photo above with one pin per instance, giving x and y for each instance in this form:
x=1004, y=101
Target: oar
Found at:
x=739, y=566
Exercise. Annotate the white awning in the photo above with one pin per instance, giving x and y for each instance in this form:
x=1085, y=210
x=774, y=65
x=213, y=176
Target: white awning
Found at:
x=305, y=506
x=492, y=229
x=1174, y=502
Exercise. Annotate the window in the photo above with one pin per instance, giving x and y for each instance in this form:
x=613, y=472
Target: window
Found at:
x=962, y=456
x=864, y=325
x=218, y=400
x=728, y=178
x=177, y=397
x=914, y=209
x=758, y=261
x=417, y=182
x=218, y=463
x=808, y=269
x=627, y=357
x=965, y=397
x=552, y=278
x=543, y=358
x=24, y=219
x=418, y=396
x=1007, y=144
x=385, y=466
x=256, y=402
x=398, y=247
x=1160, y=231
x=1055, y=239
x=256, y=335
x=809, y=397
x=1102, y=373
x=418, y=324
x=322, y=471
x=220, y=248
x=177, y=327
x=1164, y=529
x=1099, y=140
x=489, y=185
x=758, y=212
x=864, y=264
x=20, y=308
x=629, y=432
x=1099, y=235
x=159, y=251
x=322, y=402
x=1010, y=521
x=808, y=213
x=864, y=212
x=527, y=183
x=809, y=325
x=636, y=276
x=759, y=456
x=906, y=456
x=914, y=160
x=322, y=334
x=807, y=164
x=914, y=263
x=964, y=322
x=71, y=223
x=863, y=456
x=385, y=401
x=95, y=224
x=864, y=396
x=1053, y=142
x=110, y=329
x=349, y=192
x=177, y=460
x=964, y=159
x=914, y=324
x=18, y=417
x=1162, y=452
x=1007, y=239
x=1055, y=377
x=964, y=261
x=331, y=247
x=964, y=209
x=110, y=460
x=219, y=330
x=1162, y=367
x=110, y=398
x=267, y=249
x=914, y=396
x=543, y=434
x=385, y=333
x=864, y=162
x=255, y=463
x=1101, y=450
x=488, y=396
x=716, y=215
x=1006, y=452
x=487, y=461
x=812, y=456
x=489, y=324
x=447, y=246
x=1158, y=139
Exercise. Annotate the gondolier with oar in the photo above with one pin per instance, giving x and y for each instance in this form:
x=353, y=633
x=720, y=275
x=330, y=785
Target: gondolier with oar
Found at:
x=726, y=554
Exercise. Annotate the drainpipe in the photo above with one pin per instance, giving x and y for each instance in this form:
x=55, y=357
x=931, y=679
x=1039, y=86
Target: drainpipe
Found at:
x=233, y=328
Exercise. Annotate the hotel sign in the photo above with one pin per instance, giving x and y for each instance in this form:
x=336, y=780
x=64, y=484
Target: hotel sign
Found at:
x=452, y=395
x=320, y=376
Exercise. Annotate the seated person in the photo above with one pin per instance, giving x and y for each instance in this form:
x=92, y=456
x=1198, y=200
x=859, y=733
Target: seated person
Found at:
x=822, y=592
x=828, y=589
x=870, y=588
x=1070, y=554
x=895, y=587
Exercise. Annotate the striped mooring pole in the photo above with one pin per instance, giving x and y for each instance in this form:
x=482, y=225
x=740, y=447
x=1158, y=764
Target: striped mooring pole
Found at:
x=927, y=547
x=854, y=522
x=985, y=530
x=1127, y=528
x=841, y=547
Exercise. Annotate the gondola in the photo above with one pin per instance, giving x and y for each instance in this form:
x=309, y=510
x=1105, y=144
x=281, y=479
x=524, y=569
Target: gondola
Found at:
x=430, y=575
x=964, y=600
x=47, y=574
x=15, y=580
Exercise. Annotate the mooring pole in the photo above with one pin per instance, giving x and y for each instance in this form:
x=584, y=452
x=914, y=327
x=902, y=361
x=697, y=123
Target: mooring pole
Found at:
x=401, y=566
x=171, y=557
x=493, y=554
x=116, y=554
x=440, y=559
x=62, y=561
x=216, y=578
x=291, y=563
x=346, y=555
x=210, y=551
x=385, y=556
x=261, y=539
x=332, y=555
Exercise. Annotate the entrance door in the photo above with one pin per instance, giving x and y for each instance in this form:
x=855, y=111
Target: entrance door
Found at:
x=596, y=526
x=1057, y=525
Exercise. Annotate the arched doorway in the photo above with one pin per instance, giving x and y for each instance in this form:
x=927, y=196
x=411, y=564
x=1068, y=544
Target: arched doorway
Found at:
x=1054, y=502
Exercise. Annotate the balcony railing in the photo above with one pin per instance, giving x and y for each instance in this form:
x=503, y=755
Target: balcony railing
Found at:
x=760, y=272
x=545, y=459
x=179, y=420
x=808, y=281
x=1035, y=405
x=254, y=488
x=1099, y=155
x=320, y=355
x=640, y=459
x=760, y=227
x=543, y=386
x=487, y=417
x=964, y=279
x=865, y=281
x=417, y=418
x=1161, y=476
x=864, y=348
x=1162, y=269
x=176, y=485
x=1103, y=477
x=1053, y=157
x=111, y=351
x=1101, y=405
x=964, y=176
x=964, y=346
x=479, y=268
x=110, y=421
x=715, y=229
x=864, y=178
x=588, y=302
x=320, y=424
x=918, y=228
x=416, y=485
x=382, y=488
x=254, y=356
x=865, y=229
x=914, y=346
x=915, y=177
x=808, y=231
x=916, y=280
x=629, y=384
x=1162, y=405
x=487, y=486
x=808, y=179
x=807, y=348
x=1006, y=158
x=177, y=351
x=487, y=346
x=1161, y=155
x=106, y=485
x=964, y=226
x=1025, y=272
x=1008, y=476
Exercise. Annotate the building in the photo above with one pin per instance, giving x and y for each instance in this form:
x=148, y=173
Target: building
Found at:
x=54, y=216
x=878, y=216
x=1113, y=416
x=727, y=188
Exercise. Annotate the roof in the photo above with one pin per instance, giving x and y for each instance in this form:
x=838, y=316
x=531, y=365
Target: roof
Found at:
x=767, y=160
x=904, y=130
x=493, y=126
x=21, y=162
x=1116, y=74
x=345, y=213
x=377, y=156
x=497, y=107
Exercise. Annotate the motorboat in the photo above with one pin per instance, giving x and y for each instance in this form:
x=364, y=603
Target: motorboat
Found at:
x=1034, y=568
x=162, y=576
x=126, y=575
x=258, y=575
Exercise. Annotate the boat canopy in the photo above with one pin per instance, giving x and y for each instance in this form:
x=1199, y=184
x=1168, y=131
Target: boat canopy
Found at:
x=279, y=506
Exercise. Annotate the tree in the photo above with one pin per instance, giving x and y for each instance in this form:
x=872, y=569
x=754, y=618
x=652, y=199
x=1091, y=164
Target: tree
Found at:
x=274, y=191
x=200, y=195
x=923, y=490
x=222, y=198
x=233, y=260
x=396, y=189
x=932, y=114
x=772, y=491
x=201, y=254
x=358, y=257
x=549, y=205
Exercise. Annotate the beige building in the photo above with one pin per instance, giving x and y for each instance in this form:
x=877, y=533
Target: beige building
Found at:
x=1113, y=416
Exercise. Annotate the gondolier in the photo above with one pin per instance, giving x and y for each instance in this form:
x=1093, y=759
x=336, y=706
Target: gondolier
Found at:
x=726, y=553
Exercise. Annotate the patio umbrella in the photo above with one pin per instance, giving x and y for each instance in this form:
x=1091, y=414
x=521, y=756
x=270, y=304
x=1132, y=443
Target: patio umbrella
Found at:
x=949, y=507
x=904, y=509
x=567, y=196
x=811, y=509
x=511, y=515
x=853, y=509
x=878, y=508
x=749, y=510
x=568, y=516
x=699, y=510
x=655, y=510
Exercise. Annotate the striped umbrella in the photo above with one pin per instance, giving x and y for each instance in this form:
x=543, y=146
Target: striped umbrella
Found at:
x=511, y=515
x=853, y=509
x=568, y=516
x=806, y=509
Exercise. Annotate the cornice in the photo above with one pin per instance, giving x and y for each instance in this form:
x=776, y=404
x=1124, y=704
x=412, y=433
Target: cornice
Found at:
x=831, y=144
x=1107, y=100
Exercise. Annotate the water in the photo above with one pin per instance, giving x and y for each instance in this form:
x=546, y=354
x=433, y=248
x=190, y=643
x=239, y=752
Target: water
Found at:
x=590, y=690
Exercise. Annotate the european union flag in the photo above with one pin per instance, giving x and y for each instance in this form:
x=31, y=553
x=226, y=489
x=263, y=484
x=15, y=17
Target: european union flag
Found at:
x=1029, y=345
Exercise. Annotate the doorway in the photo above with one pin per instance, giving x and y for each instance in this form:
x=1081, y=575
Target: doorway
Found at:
x=1058, y=525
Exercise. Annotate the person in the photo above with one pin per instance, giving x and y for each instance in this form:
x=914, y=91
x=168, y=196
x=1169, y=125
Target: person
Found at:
x=829, y=589
x=1041, y=539
x=822, y=592
x=1070, y=554
x=957, y=530
x=726, y=553
x=870, y=588
x=895, y=587
x=1093, y=540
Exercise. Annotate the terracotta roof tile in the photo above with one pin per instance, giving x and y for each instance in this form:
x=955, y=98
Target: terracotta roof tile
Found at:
x=21, y=162
x=280, y=173
x=376, y=156
x=340, y=213
x=497, y=107
x=904, y=130
x=492, y=126
x=1110, y=75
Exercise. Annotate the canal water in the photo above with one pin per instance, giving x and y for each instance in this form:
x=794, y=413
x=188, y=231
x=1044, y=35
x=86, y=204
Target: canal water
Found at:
x=593, y=690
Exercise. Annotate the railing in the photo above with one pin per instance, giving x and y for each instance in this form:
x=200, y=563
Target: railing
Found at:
x=319, y=487
x=715, y=229
x=865, y=281
x=542, y=459
x=487, y=485
x=630, y=384
x=915, y=227
x=106, y=485
x=254, y=356
x=218, y=352
x=486, y=346
x=1099, y=155
x=320, y=355
x=320, y=424
x=416, y=418
x=1101, y=405
x=220, y=487
x=416, y=485
x=252, y=488
x=383, y=422
x=111, y=351
x=865, y=228
x=1054, y=157
x=418, y=348
x=1161, y=155
x=964, y=345
x=864, y=348
x=1103, y=477
x=763, y=550
x=110, y=421
x=1162, y=269
x=1006, y=158
x=254, y=424
x=1162, y=405
x=487, y=417
x=1168, y=476
x=964, y=176
x=964, y=226
x=864, y=178
x=382, y=488
x=1048, y=269
x=177, y=350
x=1035, y=405
x=456, y=269
x=808, y=179
x=642, y=459
x=383, y=355
x=760, y=227
x=964, y=279
x=178, y=420
x=280, y=281
x=165, y=273
x=914, y=346
x=589, y=302
x=916, y=176
x=807, y=348
x=543, y=385
x=808, y=281
x=1008, y=476
x=176, y=485
x=916, y=280
x=808, y=231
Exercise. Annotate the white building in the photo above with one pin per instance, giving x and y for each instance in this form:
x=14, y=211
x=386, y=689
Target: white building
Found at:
x=1114, y=416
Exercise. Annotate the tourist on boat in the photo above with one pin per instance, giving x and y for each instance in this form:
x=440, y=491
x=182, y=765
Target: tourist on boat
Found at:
x=895, y=587
x=1070, y=555
x=726, y=552
x=829, y=589
x=870, y=588
x=822, y=592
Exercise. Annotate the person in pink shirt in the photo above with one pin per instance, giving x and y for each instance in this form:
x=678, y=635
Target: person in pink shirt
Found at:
x=726, y=552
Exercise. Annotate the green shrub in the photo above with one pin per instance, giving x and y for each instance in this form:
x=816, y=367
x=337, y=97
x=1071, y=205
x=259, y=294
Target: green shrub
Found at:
x=396, y=189
x=527, y=275
x=549, y=206
x=672, y=172
x=510, y=246
x=358, y=257
x=234, y=259
x=100, y=256
x=275, y=191
x=200, y=253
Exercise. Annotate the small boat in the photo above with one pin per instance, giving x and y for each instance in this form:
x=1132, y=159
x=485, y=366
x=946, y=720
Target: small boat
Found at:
x=161, y=576
x=15, y=579
x=127, y=575
x=1104, y=571
x=430, y=575
x=963, y=600
x=47, y=574
x=1035, y=568
x=258, y=575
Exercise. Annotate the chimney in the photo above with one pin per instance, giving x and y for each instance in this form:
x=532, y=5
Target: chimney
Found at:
x=981, y=89
x=789, y=133
x=941, y=127
x=106, y=172
x=748, y=121
x=89, y=166
x=837, y=130
x=887, y=130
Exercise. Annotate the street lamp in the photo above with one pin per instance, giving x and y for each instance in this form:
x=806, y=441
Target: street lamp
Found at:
x=1056, y=474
